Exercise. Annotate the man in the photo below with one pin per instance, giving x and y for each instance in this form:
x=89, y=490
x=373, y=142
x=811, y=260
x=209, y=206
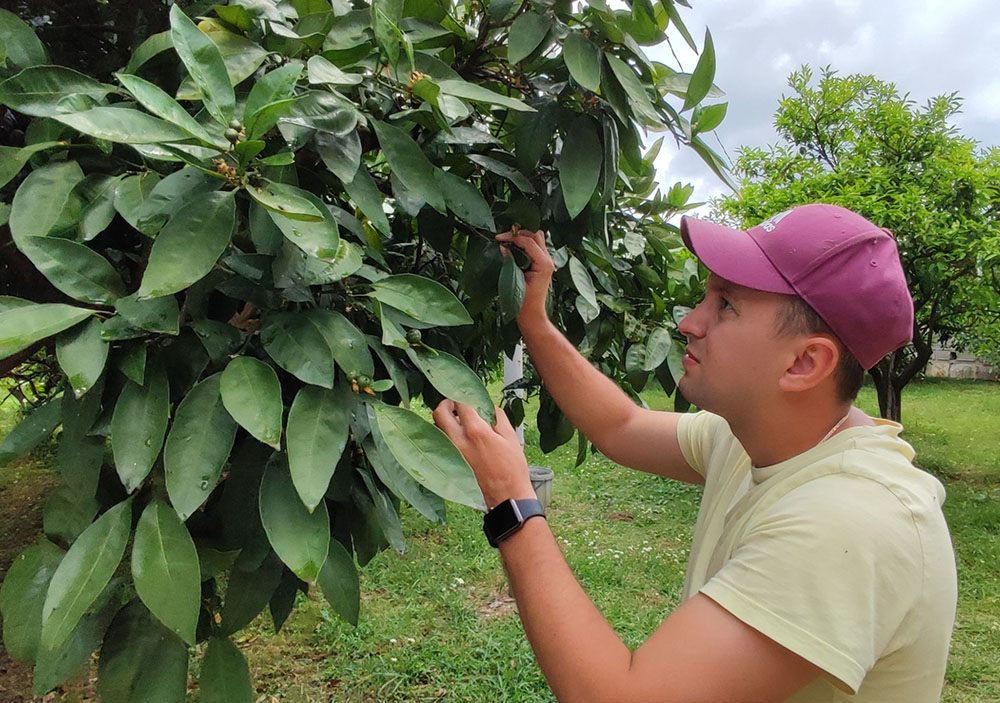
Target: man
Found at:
x=821, y=567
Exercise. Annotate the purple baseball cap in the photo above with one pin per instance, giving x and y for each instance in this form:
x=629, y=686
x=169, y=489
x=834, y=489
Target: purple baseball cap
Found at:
x=846, y=268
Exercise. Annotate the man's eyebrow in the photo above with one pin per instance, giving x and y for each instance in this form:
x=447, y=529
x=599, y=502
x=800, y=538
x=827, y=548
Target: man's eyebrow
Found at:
x=727, y=287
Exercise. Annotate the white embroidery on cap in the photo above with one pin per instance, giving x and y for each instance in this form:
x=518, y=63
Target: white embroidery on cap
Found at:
x=770, y=223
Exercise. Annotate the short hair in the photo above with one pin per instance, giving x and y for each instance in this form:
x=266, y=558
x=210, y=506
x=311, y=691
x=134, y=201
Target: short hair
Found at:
x=796, y=316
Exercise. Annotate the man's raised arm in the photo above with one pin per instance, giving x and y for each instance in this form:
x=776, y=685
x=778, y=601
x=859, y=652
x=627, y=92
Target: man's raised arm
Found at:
x=624, y=432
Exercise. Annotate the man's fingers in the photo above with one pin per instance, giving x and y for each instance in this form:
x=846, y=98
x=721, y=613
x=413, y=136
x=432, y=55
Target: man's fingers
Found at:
x=445, y=419
x=503, y=426
x=471, y=422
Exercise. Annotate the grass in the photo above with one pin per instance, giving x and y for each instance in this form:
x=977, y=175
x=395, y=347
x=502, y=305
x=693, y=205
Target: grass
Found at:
x=437, y=623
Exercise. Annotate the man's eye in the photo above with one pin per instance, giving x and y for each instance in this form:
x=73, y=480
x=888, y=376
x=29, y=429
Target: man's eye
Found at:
x=725, y=304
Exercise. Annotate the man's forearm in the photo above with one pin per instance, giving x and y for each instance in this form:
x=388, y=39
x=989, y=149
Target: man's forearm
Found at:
x=578, y=651
x=592, y=401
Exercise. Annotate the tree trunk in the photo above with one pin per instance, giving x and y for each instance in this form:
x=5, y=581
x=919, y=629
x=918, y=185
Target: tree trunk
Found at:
x=888, y=390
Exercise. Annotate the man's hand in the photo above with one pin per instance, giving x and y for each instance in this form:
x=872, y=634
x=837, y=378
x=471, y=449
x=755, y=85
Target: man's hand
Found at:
x=538, y=278
x=494, y=453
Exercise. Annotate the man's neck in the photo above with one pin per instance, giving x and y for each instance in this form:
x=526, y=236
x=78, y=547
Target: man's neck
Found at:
x=773, y=437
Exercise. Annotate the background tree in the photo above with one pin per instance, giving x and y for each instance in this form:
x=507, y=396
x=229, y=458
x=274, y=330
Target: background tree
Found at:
x=857, y=142
x=248, y=254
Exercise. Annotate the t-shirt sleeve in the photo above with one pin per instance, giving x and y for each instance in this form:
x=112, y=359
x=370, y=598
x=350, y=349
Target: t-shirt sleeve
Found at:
x=829, y=572
x=697, y=434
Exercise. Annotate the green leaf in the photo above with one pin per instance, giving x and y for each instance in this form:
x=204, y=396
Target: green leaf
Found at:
x=12, y=159
x=249, y=592
x=582, y=281
x=99, y=193
x=189, y=244
x=455, y=380
x=19, y=41
x=318, y=427
x=241, y=57
x=197, y=447
x=366, y=195
x=41, y=198
x=526, y=33
x=154, y=314
x=396, y=479
x=66, y=514
x=409, y=163
x=82, y=355
x=165, y=569
x=300, y=538
x=703, y=74
x=31, y=431
x=580, y=165
x=346, y=342
x=120, y=124
x=502, y=169
x=150, y=47
x=23, y=326
x=47, y=91
x=225, y=675
x=126, y=671
x=138, y=426
x=154, y=99
x=511, y=287
x=658, y=346
x=84, y=572
x=131, y=197
x=465, y=200
x=252, y=395
x=318, y=238
x=428, y=455
x=422, y=299
x=275, y=86
x=583, y=59
x=383, y=510
x=674, y=361
x=75, y=269
x=23, y=595
x=341, y=154
x=636, y=91
x=286, y=201
x=477, y=93
x=292, y=340
x=338, y=580
x=204, y=63
x=321, y=71
x=709, y=118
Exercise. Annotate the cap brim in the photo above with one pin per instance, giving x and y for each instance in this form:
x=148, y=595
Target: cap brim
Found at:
x=732, y=254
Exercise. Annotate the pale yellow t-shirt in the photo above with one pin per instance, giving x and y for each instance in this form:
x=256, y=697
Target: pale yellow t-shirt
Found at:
x=841, y=554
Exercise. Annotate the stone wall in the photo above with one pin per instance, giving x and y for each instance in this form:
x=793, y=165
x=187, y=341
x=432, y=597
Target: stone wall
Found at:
x=948, y=363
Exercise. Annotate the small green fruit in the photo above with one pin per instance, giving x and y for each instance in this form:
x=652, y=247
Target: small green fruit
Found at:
x=413, y=337
x=232, y=135
x=364, y=380
x=235, y=124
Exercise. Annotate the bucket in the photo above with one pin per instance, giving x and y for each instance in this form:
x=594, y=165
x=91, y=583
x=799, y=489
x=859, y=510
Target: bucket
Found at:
x=541, y=481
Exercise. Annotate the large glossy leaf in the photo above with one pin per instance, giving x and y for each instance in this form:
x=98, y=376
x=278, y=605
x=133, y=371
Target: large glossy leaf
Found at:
x=81, y=452
x=138, y=426
x=322, y=71
x=82, y=355
x=47, y=91
x=252, y=395
x=197, y=447
x=409, y=163
x=318, y=427
x=292, y=340
x=98, y=192
x=583, y=59
x=658, y=345
x=31, y=431
x=580, y=165
x=119, y=124
x=511, y=287
x=396, y=479
x=477, y=93
x=248, y=592
x=75, y=269
x=455, y=380
x=526, y=33
x=582, y=281
x=153, y=314
x=287, y=201
x=157, y=101
x=703, y=74
x=40, y=199
x=20, y=43
x=189, y=244
x=675, y=363
x=23, y=326
x=366, y=195
x=141, y=660
x=465, y=200
x=23, y=595
x=131, y=196
x=165, y=569
x=319, y=238
x=84, y=572
x=637, y=96
x=150, y=47
x=383, y=510
x=275, y=86
x=422, y=299
x=300, y=538
x=13, y=159
x=204, y=63
x=66, y=514
x=341, y=154
x=339, y=581
x=428, y=455
x=225, y=675
x=346, y=342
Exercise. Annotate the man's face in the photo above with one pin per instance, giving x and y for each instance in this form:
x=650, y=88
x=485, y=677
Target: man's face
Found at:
x=734, y=358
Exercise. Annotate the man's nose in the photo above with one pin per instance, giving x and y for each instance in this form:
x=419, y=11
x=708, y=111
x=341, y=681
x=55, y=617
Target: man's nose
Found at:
x=692, y=325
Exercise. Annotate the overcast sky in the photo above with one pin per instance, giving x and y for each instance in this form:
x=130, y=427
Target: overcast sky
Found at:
x=925, y=47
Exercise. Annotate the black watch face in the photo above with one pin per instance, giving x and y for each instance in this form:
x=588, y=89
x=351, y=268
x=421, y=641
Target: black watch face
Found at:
x=500, y=519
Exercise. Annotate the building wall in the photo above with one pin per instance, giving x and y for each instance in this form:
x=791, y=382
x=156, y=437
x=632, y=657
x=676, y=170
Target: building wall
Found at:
x=948, y=363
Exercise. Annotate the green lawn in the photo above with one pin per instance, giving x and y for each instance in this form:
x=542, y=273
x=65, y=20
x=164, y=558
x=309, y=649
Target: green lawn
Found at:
x=437, y=622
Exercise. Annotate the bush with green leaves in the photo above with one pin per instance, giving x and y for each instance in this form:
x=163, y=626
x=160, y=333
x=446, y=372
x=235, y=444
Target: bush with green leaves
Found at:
x=261, y=245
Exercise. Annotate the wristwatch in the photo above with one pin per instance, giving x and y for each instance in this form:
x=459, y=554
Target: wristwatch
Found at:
x=507, y=518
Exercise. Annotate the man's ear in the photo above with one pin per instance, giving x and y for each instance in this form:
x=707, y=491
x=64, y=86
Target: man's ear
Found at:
x=816, y=359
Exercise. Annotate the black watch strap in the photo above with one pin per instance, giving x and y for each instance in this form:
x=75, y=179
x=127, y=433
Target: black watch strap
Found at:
x=508, y=517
